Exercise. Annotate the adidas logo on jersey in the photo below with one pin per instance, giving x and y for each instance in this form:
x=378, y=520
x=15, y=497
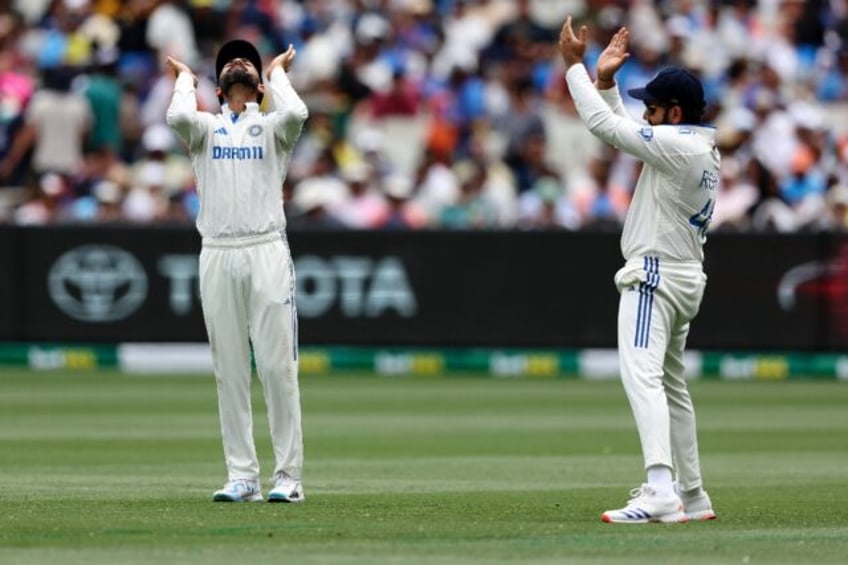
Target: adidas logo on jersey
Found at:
x=221, y=130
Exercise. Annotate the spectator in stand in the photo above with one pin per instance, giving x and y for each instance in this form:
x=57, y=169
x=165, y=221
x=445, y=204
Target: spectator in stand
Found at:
x=473, y=209
x=771, y=212
x=101, y=164
x=16, y=89
x=600, y=201
x=47, y=201
x=402, y=213
x=522, y=42
x=105, y=93
x=832, y=78
x=56, y=124
x=836, y=216
x=524, y=129
x=467, y=30
x=546, y=207
x=530, y=163
x=372, y=66
x=498, y=184
x=465, y=107
x=805, y=184
x=736, y=198
x=325, y=170
x=59, y=40
x=109, y=202
x=311, y=207
x=176, y=212
x=158, y=144
x=840, y=164
x=434, y=185
x=146, y=201
x=365, y=206
x=170, y=31
x=400, y=100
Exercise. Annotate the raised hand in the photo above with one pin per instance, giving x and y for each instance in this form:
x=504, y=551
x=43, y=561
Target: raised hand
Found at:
x=283, y=60
x=614, y=55
x=572, y=47
x=177, y=66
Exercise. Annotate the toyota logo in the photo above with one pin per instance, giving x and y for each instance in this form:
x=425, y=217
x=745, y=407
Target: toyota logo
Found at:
x=97, y=283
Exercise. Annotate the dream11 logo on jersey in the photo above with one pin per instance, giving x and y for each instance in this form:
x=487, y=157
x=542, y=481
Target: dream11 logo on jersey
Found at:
x=820, y=278
x=97, y=283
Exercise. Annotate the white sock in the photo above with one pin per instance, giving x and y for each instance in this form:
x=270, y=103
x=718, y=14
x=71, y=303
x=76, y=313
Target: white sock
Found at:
x=660, y=477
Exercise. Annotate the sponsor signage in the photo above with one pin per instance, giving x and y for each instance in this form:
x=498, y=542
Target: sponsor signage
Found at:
x=105, y=284
x=97, y=283
x=10, y=279
x=774, y=292
x=439, y=289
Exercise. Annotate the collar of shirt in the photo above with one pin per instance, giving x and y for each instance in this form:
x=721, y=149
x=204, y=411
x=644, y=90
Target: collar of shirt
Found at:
x=249, y=108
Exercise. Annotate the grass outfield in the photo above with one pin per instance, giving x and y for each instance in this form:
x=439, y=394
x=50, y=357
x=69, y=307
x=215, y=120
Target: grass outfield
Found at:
x=108, y=468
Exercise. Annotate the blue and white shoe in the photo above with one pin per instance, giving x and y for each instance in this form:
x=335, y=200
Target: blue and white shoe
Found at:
x=646, y=505
x=286, y=489
x=239, y=490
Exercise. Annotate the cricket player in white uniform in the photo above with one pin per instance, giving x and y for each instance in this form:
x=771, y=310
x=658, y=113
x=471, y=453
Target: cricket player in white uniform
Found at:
x=662, y=281
x=247, y=280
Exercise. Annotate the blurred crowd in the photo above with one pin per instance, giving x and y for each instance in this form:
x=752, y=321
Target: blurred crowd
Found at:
x=440, y=114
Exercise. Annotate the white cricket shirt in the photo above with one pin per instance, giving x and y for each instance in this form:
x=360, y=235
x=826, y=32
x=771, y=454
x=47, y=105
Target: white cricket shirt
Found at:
x=239, y=161
x=675, y=195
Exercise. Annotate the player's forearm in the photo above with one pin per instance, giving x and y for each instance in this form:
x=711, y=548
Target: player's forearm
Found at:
x=182, y=111
x=613, y=99
x=291, y=111
x=184, y=100
x=590, y=104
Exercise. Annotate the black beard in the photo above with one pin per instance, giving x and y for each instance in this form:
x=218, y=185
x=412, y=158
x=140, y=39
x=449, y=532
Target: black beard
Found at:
x=237, y=75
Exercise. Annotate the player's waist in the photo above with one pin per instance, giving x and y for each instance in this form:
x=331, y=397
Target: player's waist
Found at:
x=656, y=263
x=242, y=240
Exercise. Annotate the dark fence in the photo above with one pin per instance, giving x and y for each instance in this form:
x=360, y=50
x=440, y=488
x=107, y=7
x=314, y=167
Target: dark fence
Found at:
x=535, y=289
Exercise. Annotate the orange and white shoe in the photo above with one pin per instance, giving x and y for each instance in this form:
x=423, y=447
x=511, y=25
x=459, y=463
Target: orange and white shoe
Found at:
x=645, y=506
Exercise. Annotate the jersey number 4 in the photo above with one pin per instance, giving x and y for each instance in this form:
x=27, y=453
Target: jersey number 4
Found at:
x=702, y=219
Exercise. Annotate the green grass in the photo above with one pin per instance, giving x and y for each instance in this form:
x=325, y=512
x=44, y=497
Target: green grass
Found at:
x=107, y=468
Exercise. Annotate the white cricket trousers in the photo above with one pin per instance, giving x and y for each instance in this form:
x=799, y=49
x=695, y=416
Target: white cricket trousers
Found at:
x=247, y=293
x=658, y=300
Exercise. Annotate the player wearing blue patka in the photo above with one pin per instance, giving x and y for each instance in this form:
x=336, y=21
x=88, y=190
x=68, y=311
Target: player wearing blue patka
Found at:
x=662, y=282
x=247, y=282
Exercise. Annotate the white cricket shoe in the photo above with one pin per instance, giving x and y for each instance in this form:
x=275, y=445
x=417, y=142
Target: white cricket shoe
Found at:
x=239, y=490
x=286, y=489
x=698, y=506
x=647, y=505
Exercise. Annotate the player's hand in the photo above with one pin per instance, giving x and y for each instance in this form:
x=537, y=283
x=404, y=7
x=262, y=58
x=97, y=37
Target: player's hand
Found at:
x=614, y=56
x=179, y=67
x=572, y=47
x=283, y=60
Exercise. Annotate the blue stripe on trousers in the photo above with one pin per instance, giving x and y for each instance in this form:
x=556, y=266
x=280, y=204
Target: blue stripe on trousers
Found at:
x=646, y=302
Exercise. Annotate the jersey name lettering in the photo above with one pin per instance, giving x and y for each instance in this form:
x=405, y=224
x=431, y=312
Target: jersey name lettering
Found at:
x=709, y=180
x=238, y=153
